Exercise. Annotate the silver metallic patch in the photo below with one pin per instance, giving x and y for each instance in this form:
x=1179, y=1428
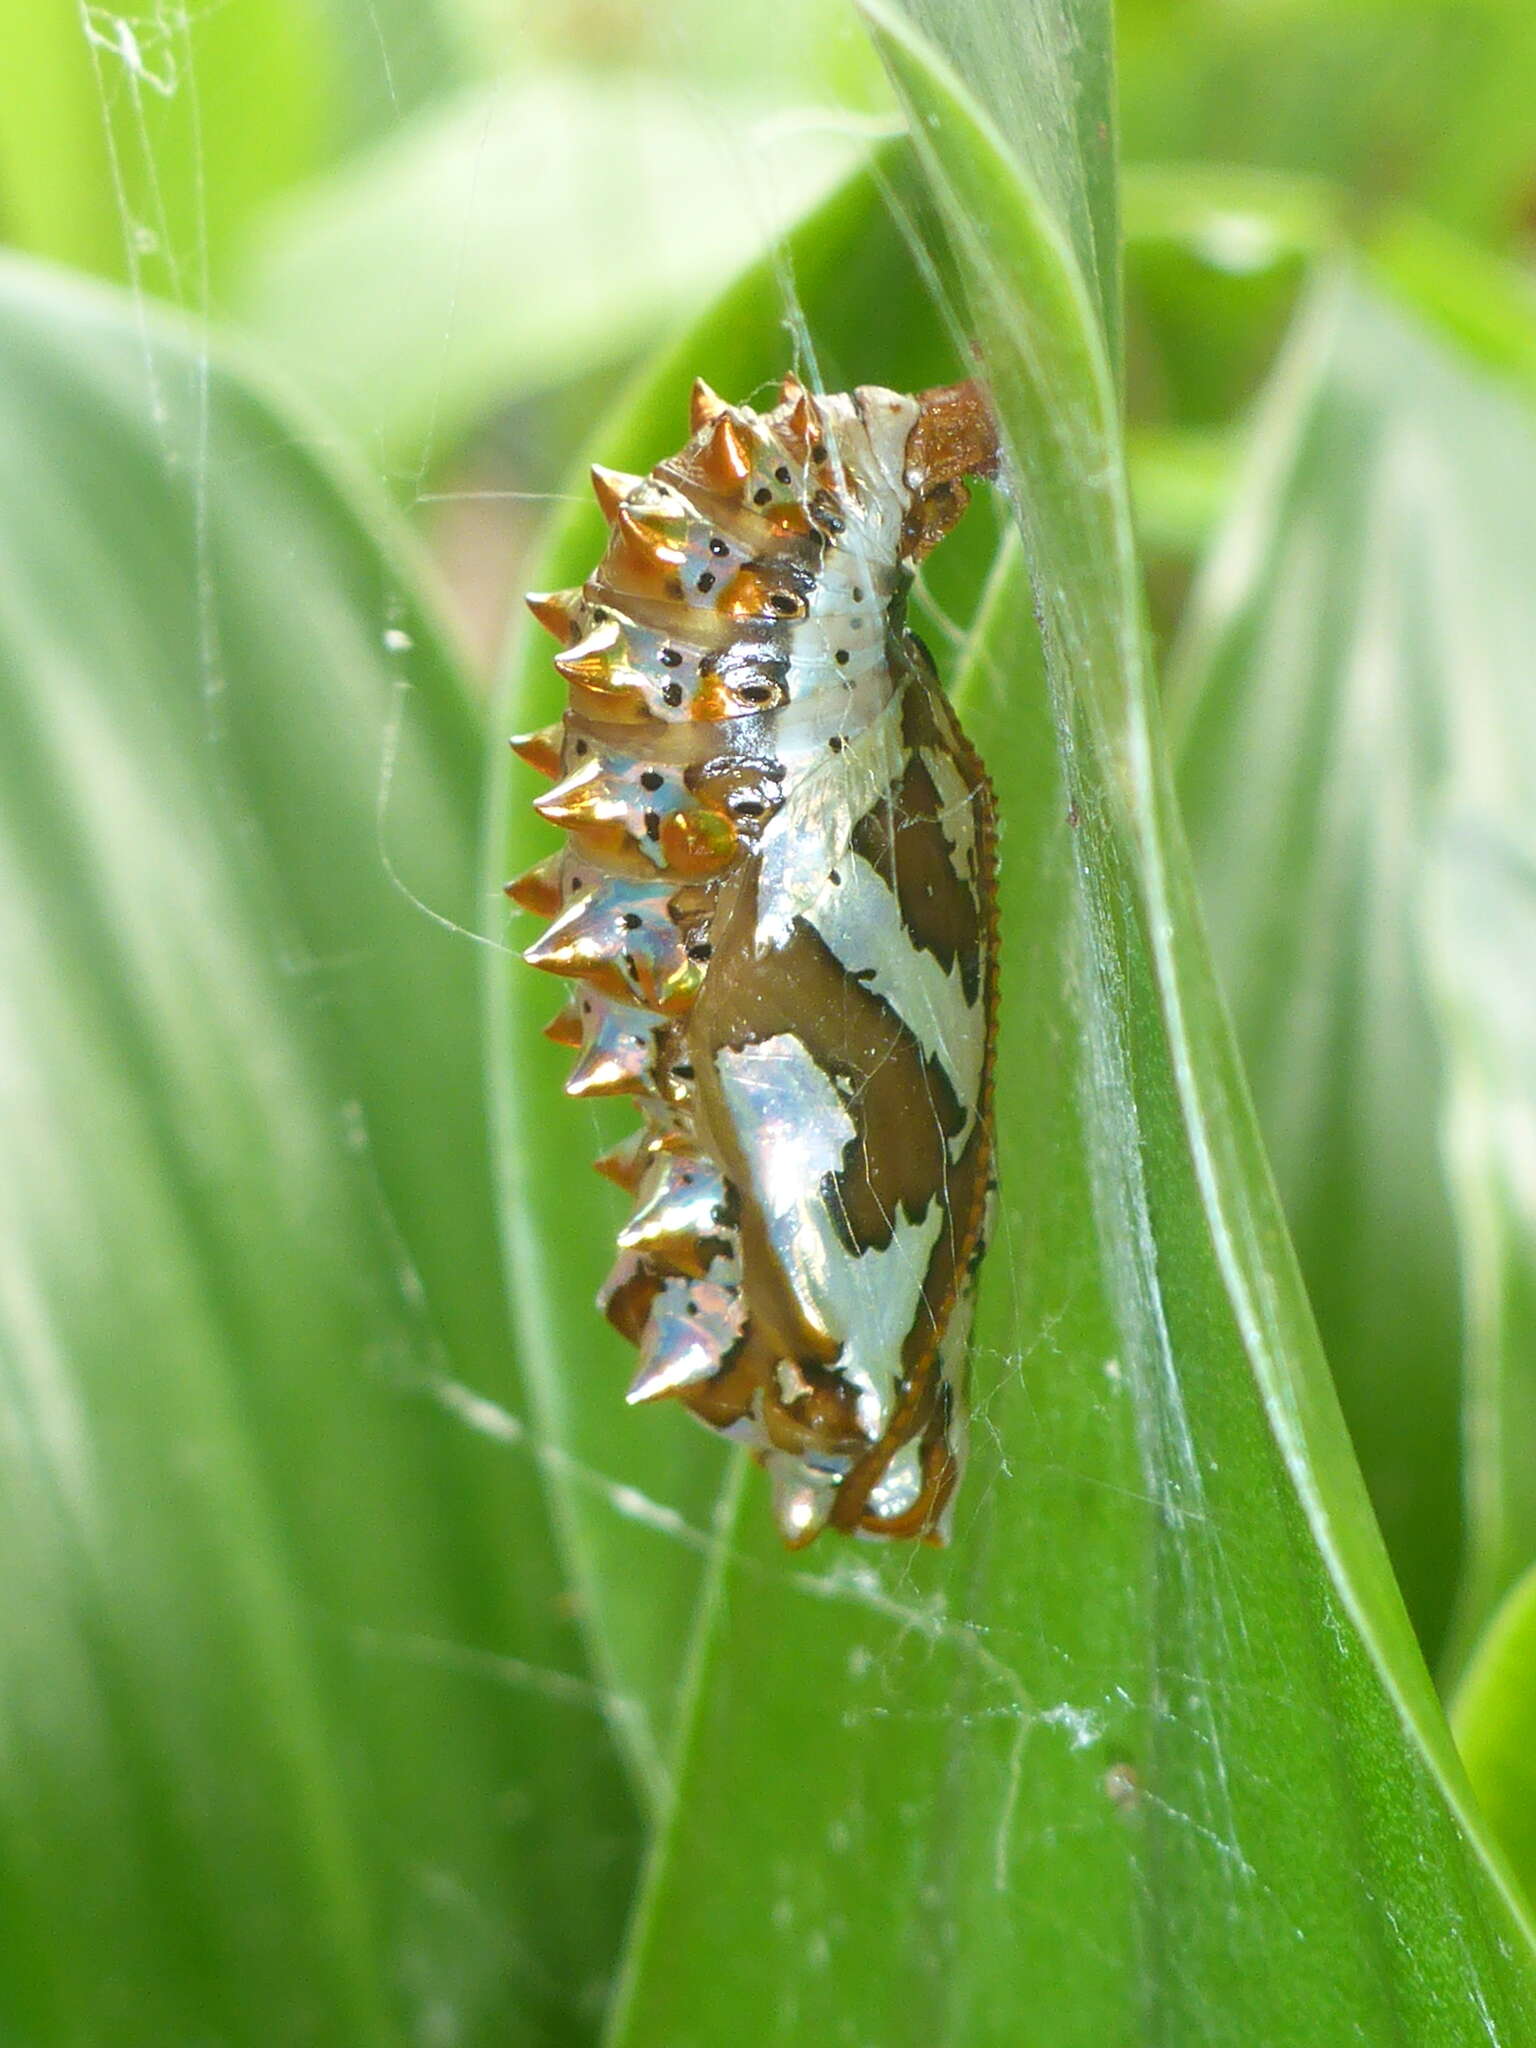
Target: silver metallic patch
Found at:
x=795, y=1132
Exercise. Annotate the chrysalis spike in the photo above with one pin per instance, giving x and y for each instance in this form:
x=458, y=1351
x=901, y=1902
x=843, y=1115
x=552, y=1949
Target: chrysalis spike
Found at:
x=537, y=889
x=682, y=1361
x=804, y=423
x=680, y=1223
x=705, y=405
x=579, y=941
x=597, y=1075
x=542, y=749
x=618, y=1055
x=611, y=487
x=590, y=660
x=584, y=798
x=558, y=611
x=654, y=547
x=564, y=1028
x=627, y=1164
x=619, y=939
x=726, y=462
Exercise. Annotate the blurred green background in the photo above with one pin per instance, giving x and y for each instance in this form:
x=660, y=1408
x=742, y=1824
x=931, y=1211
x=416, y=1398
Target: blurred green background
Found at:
x=425, y=216
x=319, y=1718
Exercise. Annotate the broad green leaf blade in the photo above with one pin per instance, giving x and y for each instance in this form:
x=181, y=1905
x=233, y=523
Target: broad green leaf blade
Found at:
x=1495, y=1722
x=1482, y=303
x=296, y=1743
x=513, y=237
x=1480, y=924
x=634, y=1492
x=1059, y=131
x=1354, y=714
x=1308, y=705
x=1149, y=1754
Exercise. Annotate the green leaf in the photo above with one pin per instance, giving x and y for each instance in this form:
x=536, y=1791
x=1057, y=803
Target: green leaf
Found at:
x=1352, y=717
x=55, y=172
x=511, y=238
x=296, y=1742
x=1218, y=258
x=1495, y=1721
x=1181, y=482
x=1355, y=90
x=1480, y=932
x=1049, y=73
x=1215, y=261
x=1149, y=1753
x=1486, y=306
x=141, y=144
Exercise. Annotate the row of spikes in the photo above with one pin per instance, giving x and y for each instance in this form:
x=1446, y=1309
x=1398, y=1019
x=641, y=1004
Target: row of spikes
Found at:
x=640, y=674
x=739, y=456
x=723, y=463
x=617, y=935
x=620, y=1045
x=677, y=1235
x=675, y=1289
x=678, y=1238
x=644, y=512
x=727, y=454
x=620, y=1049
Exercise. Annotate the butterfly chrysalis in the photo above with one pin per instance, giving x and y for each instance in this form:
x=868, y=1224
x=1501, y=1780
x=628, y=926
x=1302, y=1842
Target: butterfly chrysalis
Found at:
x=776, y=907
